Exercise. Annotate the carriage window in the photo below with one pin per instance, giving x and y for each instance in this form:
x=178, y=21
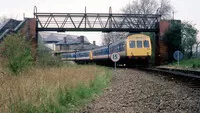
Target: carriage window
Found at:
x=146, y=43
x=139, y=44
x=132, y=44
x=106, y=51
x=123, y=46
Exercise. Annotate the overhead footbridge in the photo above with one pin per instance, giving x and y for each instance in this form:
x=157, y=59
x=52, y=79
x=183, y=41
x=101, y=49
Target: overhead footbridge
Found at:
x=104, y=22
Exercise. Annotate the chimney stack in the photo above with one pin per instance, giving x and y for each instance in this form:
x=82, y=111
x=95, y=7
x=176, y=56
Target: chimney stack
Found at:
x=65, y=40
x=81, y=39
x=94, y=42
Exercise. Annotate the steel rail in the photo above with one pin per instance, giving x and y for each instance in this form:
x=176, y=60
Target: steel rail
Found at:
x=177, y=72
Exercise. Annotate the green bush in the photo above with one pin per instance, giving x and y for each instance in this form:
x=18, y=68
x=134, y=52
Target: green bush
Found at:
x=45, y=57
x=17, y=50
x=195, y=65
x=188, y=63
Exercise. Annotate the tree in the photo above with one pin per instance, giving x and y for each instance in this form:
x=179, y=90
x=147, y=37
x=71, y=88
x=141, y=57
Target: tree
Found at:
x=189, y=36
x=112, y=37
x=172, y=38
x=163, y=8
x=3, y=20
x=44, y=55
x=180, y=36
x=17, y=52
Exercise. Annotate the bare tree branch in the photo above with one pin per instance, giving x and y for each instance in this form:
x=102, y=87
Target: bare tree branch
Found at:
x=3, y=20
x=163, y=7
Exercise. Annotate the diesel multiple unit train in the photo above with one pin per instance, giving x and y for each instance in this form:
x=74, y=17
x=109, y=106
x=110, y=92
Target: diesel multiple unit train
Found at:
x=134, y=49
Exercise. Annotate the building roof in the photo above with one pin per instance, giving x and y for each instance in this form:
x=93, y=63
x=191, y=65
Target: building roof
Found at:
x=51, y=38
x=59, y=38
x=71, y=40
x=74, y=41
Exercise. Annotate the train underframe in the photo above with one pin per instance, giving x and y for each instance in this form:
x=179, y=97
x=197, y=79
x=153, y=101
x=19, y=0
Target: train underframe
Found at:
x=135, y=61
x=124, y=61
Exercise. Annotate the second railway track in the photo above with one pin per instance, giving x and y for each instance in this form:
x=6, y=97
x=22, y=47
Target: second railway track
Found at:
x=176, y=72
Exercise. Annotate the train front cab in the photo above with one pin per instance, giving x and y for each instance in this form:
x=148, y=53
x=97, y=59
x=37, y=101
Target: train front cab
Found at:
x=138, y=49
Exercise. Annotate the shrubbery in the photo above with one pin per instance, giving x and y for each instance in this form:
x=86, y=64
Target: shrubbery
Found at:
x=48, y=89
x=45, y=58
x=17, y=51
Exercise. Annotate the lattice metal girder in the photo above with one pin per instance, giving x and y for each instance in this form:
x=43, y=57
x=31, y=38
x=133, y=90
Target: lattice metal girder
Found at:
x=98, y=29
x=96, y=22
x=95, y=14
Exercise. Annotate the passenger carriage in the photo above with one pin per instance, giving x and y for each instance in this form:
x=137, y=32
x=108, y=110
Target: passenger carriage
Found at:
x=135, y=49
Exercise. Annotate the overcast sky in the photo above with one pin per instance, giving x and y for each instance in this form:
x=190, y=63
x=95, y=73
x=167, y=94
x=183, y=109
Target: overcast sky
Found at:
x=187, y=10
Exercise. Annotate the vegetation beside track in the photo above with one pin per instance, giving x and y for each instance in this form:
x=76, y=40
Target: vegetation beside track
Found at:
x=61, y=89
x=193, y=63
x=45, y=84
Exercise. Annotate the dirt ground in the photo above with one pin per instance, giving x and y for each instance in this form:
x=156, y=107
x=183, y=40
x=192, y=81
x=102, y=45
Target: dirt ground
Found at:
x=133, y=91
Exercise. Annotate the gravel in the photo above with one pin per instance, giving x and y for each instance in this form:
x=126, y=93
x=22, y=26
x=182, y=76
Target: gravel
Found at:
x=135, y=91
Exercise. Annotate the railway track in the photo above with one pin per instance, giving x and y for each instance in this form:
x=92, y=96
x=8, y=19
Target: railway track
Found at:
x=176, y=72
x=134, y=89
x=185, y=77
x=167, y=71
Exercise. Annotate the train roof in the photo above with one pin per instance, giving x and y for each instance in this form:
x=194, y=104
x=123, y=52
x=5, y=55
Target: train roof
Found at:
x=83, y=51
x=122, y=40
x=102, y=47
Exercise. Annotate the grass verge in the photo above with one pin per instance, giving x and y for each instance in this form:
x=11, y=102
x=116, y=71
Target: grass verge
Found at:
x=193, y=63
x=55, y=90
